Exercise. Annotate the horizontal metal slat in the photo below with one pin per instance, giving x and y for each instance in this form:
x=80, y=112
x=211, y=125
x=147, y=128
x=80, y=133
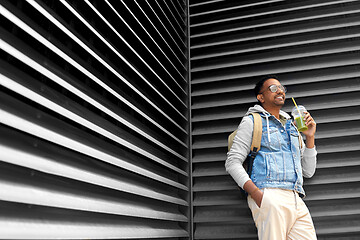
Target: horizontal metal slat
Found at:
x=181, y=6
x=154, y=71
x=326, y=135
x=342, y=129
x=180, y=23
x=204, y=89
x=208, y=155
x=316, y=63
x=293, y=18
x=334, y=115
x=335, y=175
x=217, y=183
x=76, y=121
x=219, y=8
x=322, y=103
x=161, y=22
x=44, y=96
x=327, y=162
x=225, y=99
x=341, y=73
x=298, y=52
x=339, y=144
x=271, y=10
x=302, y=28
x=180, y=11
x=60, y=77
x=48, y=98
x=166, y=38
x=335, y=191
x=51, y=129
x=39, y=190
x=32, y=153
x=21, y=222
x=177, y=31
x=298, y=90
x=212, y=198
x=330, y=146
x=239, y=213
x=211, y=143
x=278, y=43
x=324, y=161
x=333, y=208
x=204, y=2
x=225, y=231
x=317, y=76
x=15, y=52
x=209, y=169
x=230, y=52
x=214, y=127
x=334, y=160
x=95, y=128
x=338, y=100
x=346, y=230
x=93, y=53
x=51, y=46
x=339, y=228
x=165, y=52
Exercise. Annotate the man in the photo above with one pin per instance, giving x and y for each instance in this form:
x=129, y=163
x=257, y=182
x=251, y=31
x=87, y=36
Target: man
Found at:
x=275, y=185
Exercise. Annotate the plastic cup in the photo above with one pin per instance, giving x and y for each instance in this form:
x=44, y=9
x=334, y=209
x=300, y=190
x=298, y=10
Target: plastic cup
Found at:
x=299, y=119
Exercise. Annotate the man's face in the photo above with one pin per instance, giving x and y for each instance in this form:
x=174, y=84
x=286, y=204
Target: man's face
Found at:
x=268, y=98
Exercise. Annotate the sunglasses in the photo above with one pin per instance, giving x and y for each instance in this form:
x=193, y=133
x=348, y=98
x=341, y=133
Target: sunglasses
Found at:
x=274, y=88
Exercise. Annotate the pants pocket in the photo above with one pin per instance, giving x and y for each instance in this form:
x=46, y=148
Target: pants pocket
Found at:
x=255, y=209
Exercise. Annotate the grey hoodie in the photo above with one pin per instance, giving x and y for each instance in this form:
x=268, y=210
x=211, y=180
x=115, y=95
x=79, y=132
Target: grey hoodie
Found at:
x=241, y=148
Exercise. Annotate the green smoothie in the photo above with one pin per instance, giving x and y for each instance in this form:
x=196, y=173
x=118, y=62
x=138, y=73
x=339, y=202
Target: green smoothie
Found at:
x=300, y=124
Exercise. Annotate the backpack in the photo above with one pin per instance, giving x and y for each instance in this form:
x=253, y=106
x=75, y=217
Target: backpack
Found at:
x=255, y=144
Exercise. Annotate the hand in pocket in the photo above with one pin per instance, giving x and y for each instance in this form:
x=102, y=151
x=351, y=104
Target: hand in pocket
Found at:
x=258, y=197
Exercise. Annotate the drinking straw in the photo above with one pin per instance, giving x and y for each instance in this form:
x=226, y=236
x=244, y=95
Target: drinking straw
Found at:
x=296, y=106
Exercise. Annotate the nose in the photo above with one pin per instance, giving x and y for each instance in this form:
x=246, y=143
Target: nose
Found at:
x=280, y=89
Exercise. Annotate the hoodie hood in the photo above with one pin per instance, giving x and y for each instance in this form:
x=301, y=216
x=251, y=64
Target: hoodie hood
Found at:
x=259, y=109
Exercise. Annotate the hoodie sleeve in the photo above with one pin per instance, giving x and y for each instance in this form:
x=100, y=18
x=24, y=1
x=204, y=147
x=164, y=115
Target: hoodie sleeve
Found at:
x=308, y=160
x=239, y=151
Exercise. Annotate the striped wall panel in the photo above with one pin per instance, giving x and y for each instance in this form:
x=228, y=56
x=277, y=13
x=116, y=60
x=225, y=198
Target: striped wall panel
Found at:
x=94, y=120
x=313, y=47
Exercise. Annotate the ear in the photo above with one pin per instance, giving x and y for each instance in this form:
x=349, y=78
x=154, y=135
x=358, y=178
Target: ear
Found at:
x=260, y=98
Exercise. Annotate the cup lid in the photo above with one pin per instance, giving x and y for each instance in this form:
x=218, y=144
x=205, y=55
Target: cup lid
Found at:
x=294, y=111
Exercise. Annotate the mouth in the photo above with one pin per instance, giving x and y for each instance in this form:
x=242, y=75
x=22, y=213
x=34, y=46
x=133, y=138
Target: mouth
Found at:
x=280, y=97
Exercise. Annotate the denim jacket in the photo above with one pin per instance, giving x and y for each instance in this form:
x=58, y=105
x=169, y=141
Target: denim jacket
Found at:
x=278, y=162
x=282, y=160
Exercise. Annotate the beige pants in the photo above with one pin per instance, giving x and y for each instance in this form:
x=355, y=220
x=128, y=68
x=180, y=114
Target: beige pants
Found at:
x=282, y=215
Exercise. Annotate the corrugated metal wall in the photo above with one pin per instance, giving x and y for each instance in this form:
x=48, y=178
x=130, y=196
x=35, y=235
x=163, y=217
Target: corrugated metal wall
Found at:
x=314, y=48
x=94, y=132
x=94, y=113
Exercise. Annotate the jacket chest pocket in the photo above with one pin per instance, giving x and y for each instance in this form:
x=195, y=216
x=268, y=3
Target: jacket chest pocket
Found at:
x=271, y=139
x=295, y=139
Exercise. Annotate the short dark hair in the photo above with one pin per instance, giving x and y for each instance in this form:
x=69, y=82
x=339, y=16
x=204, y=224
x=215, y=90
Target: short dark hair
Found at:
x=260, y=83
